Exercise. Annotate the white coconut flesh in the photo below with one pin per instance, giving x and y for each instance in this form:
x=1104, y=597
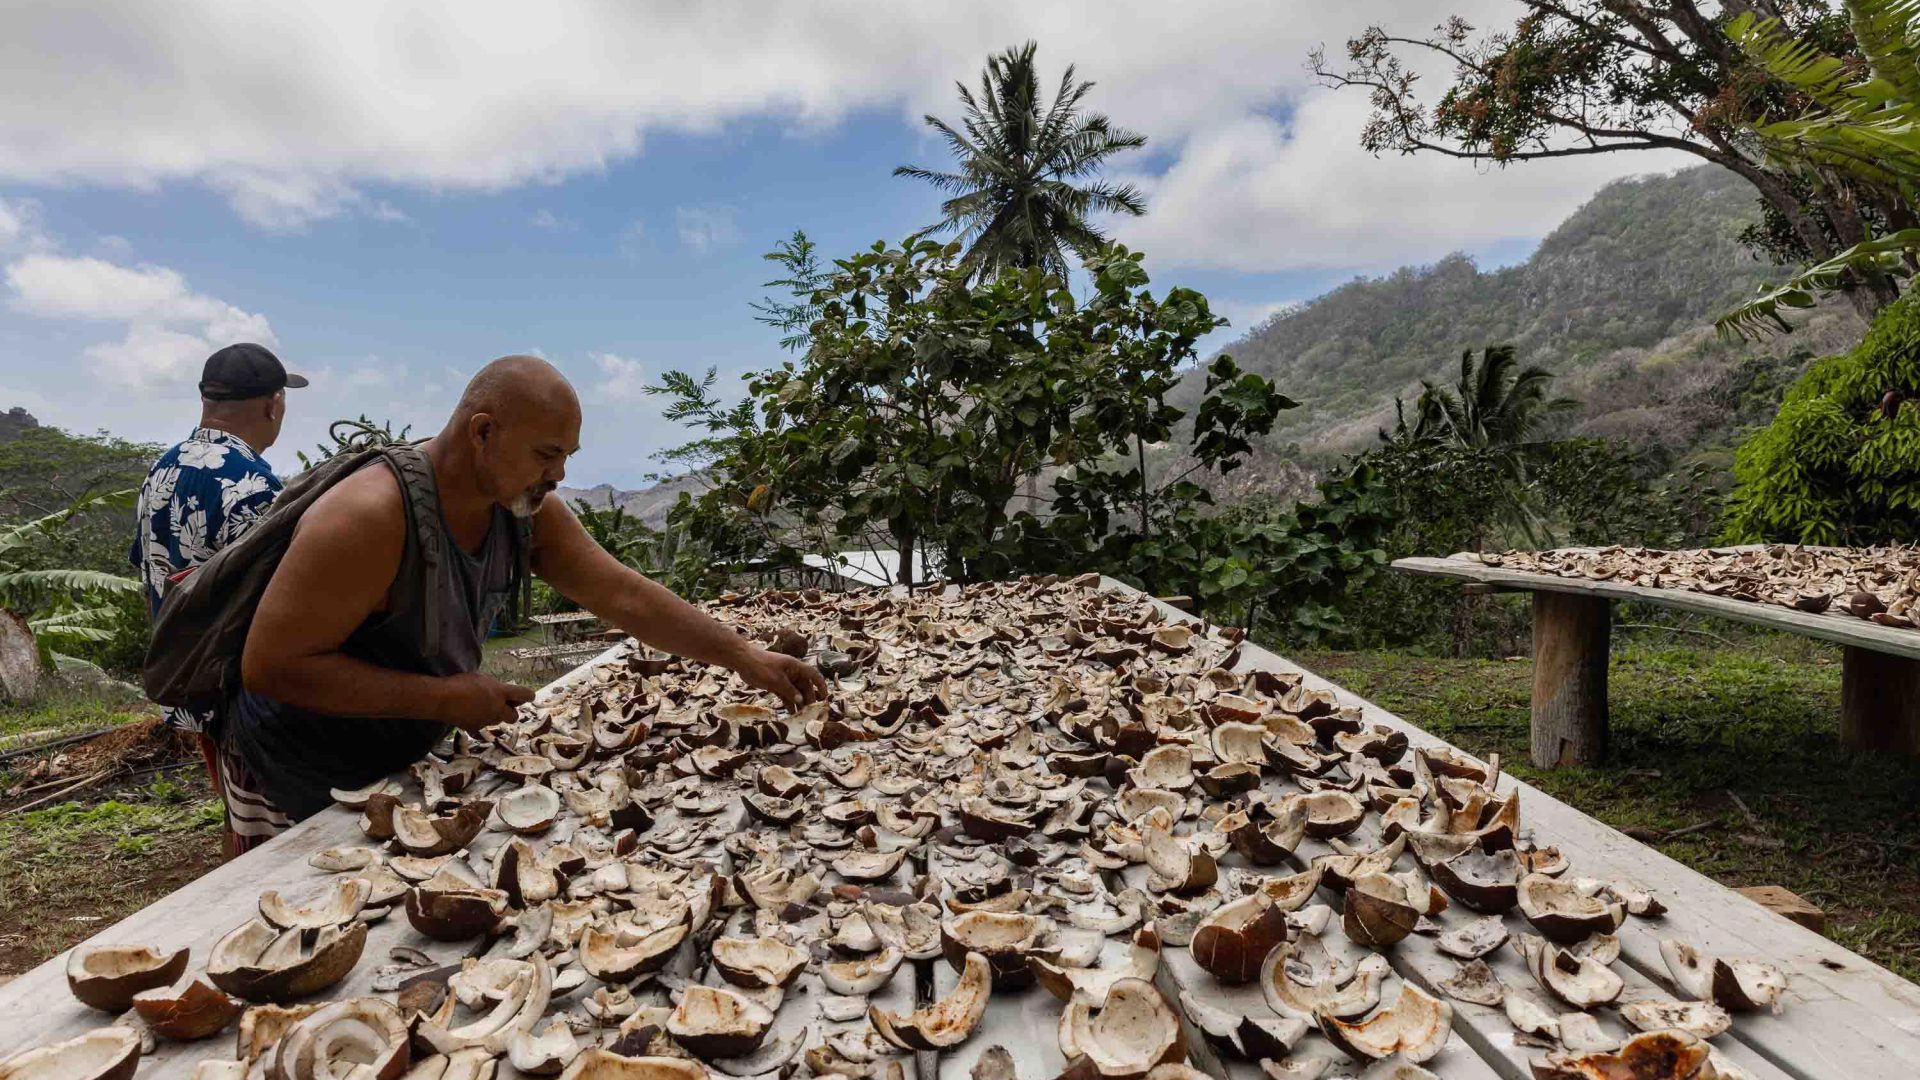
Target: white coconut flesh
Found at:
x=1415, y=1026
x=868, y=865
x=336, y=903
x=97, y=1053
x=707, y=1012
x=1702, y=1019
x=341, y=1041
x=1308, y=1067
x=117, y=961
x=1164, y=767
x=1126, y=1035
x=543, y=1053
x=1581, y=982
x=760, y=961
x=946, y=1022
x=1242, y=743
x=995, y=932
x=862, y=976
x=1292, y=892
x=531, y=808
x=1731, y=983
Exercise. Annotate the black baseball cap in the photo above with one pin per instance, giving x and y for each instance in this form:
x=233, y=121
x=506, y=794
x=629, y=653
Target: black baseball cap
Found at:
x=243, y=371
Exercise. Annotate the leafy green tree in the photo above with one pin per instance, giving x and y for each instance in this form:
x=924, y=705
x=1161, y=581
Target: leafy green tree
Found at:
x=1840, y=464
x=925, y=397
x=1022, y=193
x=1577, y=77
x=1859, y=128
x=792, y=314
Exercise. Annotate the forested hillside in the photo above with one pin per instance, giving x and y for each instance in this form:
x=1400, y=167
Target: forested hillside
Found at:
x=1619, y=301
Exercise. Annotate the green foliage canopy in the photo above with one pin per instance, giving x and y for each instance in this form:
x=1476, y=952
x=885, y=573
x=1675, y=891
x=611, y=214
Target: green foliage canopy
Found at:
x=1840, y=464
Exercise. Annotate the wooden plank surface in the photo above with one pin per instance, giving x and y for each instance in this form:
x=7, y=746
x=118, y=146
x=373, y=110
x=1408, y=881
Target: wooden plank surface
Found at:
x=1845, y=1017
x=1829, y=626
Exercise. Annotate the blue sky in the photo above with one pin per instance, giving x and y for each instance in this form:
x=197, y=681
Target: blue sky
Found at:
x=611, y=221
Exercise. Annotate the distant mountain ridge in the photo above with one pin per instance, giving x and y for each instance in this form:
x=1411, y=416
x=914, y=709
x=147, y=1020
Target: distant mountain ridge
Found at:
x=649, y=505
x=1618, y=302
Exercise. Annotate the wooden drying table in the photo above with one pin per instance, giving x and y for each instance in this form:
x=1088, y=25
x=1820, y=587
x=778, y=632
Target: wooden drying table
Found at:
x=1845, y=1018
x=1572, y=619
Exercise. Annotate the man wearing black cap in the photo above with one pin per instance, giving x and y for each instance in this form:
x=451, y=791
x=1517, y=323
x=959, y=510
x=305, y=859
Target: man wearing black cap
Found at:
x=203, y=493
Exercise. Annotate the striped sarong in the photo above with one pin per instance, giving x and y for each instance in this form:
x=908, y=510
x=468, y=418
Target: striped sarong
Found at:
x=252, y=819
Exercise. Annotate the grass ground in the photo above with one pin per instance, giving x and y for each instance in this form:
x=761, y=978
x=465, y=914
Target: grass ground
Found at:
x=1735, y=742
x=68, y=870
x=64, y=712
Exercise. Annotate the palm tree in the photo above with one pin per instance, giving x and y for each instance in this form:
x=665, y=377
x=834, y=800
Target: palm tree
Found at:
x=1021, y=194
x=1492, y=406
x=1861, y=124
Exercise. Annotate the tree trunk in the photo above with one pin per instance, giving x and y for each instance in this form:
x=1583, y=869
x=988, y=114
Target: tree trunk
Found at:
x=903, y=542
x=1570, y=638
x=1879, y=701
x=1869, y=296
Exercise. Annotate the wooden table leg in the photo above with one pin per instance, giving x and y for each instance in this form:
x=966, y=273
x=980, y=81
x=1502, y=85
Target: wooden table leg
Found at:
x=1570, y=639
x=1879, y=701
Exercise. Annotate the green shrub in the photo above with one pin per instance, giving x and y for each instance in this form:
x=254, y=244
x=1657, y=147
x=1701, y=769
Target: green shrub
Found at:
x=1832, y=468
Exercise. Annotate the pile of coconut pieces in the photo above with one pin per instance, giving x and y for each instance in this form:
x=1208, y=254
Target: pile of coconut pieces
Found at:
x=1042, y=788
x=1879, y=584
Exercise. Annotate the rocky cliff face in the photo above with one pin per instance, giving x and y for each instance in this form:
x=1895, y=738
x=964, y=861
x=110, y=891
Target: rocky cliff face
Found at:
x=14, y=421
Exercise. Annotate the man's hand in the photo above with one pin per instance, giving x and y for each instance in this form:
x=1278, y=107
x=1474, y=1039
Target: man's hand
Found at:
x=473, y=701
x=794, y=682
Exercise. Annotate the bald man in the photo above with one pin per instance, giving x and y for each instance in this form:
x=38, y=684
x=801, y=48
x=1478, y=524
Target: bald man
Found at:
x=337, y=690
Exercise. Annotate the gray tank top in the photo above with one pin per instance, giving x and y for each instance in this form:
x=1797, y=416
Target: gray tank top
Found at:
x=298, y=755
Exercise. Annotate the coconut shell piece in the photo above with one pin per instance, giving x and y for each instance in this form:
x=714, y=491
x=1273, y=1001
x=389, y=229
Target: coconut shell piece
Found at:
x=1233, y=941
x=1737, y=985
x=106, y=977
x=261, y=964
x=1416, y=1026
x=1580, y=981
x=1003, y=939
x=1125, y=1037
x=715, y=1023
x=108, y=1053
x=189, y=1009
x=944, y=1023
x=1475, y=983
x=1562, y=913
x=1655, y=1055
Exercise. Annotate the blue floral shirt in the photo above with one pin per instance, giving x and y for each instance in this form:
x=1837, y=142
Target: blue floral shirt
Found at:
x=199, y=497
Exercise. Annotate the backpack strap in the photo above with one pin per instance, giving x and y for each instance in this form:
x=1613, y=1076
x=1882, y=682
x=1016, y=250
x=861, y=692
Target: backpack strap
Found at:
x=420, y=564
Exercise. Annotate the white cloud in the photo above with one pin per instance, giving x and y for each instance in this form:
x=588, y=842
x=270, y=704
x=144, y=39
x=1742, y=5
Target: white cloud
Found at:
x=622, y=381
x=167, y=328
x=20, y=226
x=1253, y=193
x=488, y=95
x=544, y=218
x=704, y=228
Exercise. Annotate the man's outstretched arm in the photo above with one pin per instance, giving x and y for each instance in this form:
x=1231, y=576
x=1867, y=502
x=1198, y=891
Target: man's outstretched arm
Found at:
x=569, y=560
x=335, y=574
